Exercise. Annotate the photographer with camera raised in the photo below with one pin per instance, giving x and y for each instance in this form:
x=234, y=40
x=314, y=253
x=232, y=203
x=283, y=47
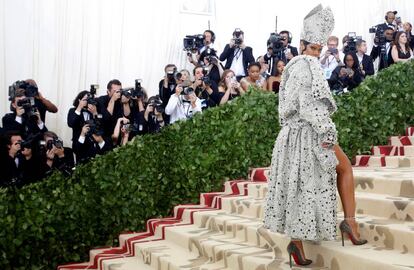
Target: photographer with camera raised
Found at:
x=31, y=90
x=382, y=47
x=121, y=132
x=194, y=55
x=331, y=56
x=25, y=117
x=167, y=86
x=346, y=77
x=154, y=115
x=205, y=88
x=366, y=64
x=55, y=155
x=183, y=104
x=209, y=59
x=237, y=55
x=91, y=141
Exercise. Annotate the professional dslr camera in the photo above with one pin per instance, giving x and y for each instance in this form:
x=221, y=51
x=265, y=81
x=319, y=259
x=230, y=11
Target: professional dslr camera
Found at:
x=95, y=127
x=379, y=39
x=275, y=42
x=28, y=104
x=193, y=43
x=173, y=76
x=133, y=91
x=29, y=90
x=58, y=143
x=210, y=55
x=351, y=42
x=205, y=78
x=156, y=103
x=90, y=96
x=238, y=40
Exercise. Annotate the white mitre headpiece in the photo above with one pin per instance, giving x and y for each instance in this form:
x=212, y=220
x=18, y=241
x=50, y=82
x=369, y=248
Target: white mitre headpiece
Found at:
x=318, y=25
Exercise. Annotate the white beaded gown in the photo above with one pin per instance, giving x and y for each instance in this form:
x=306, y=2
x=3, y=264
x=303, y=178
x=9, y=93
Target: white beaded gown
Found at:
x=301, y=201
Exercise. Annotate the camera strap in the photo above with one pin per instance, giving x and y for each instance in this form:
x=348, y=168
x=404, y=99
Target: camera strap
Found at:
x=237, y=53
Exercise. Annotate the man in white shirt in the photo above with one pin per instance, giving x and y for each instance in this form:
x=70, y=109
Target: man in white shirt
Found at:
x=182, y=106
x=331, y=57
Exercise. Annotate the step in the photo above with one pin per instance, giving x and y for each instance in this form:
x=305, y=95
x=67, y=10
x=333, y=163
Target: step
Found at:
x=385, y=206
x=392, y=150
x=401, y=140
x=394, y=182
x=409, y=131
x=384, y=161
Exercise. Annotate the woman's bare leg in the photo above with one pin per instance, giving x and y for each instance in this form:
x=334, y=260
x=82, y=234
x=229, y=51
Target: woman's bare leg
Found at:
x=346, y=189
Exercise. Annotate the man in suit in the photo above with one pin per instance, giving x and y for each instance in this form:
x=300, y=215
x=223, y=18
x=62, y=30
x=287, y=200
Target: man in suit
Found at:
x=389, y=21
x=238, y=56
x=383, y=51
x=366, y=64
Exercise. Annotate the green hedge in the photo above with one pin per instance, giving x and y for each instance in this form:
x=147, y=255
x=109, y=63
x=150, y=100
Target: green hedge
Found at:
x=58, y=220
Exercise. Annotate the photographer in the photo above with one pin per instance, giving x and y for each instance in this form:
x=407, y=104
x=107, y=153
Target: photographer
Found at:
x=366, y=64
x=209, y=59
x=84, y=109
x=205, y=88
x=91, y=141
x=382, y=48
x=31, y=90
x=237, y=55
x=121, y=132
x=112, y=106
x=347, y=77
x=183, y=104
x=331, y=56
x=153, y=115
x=208, y=42
x=25, y=117
x=55, y=156
x=167, y=86
x=11, y=174
x=389, y=22
x=229, y=87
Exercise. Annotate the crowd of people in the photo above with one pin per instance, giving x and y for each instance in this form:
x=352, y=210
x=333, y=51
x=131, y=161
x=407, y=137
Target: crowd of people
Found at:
x=31, y=152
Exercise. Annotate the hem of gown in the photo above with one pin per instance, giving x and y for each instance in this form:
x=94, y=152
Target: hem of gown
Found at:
x=297, y=237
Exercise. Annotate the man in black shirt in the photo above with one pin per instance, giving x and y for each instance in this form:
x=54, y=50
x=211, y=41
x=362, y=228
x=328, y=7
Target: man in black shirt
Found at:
x=167, y=87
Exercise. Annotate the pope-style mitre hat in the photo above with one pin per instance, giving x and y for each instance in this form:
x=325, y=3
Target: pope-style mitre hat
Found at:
x=318, y=25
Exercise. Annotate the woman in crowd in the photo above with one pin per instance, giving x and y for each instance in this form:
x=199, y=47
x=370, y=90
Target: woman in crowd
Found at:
x=274, y=81
x=400, y=50
x=229, y=88
x=254, y=78
x=348, y=76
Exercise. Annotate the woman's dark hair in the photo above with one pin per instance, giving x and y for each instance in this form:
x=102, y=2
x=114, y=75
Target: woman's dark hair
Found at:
x=277, y=71
x=78, y=97
x=355, y=66
x=305, y=44
x=397, y=43
x=257, y=64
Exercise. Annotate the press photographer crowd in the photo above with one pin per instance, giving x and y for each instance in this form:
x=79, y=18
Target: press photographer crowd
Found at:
x=30, y=152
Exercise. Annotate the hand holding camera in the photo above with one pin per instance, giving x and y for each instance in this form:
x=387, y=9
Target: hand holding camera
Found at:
x=116, y=96
x=232, y=43
x=19, y=111
x=92, y=109
x=85, y=130
x=178, y=90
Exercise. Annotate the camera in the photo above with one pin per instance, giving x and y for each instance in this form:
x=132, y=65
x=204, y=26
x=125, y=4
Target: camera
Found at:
x=333, y=50
x=188, y=90
x=156, y=103
x=137, y=91
x=210, y=55
x=127, y=92
x=28, y=104
x=193, y=42
x=54, y=142
x=275, y=42
x=90, y=97
x=351, y=42
x=237, y=37
x=95, y=127
x=173, y=76
x=29, y=90
x=379, y=39
x=206, y=79
x=129, y=127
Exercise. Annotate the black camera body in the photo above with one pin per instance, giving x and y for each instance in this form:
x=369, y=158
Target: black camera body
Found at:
x=137, y=91
x=275, y=42
x=54, y=142
x=380, y=39
x=29, y=90
x=188, y=90
x=206, y=79
x=156, y=103
x=351, y=42
x=193, y=43
x=28, y=104
x=95, y=127
x=237, y=37
x=90, y=97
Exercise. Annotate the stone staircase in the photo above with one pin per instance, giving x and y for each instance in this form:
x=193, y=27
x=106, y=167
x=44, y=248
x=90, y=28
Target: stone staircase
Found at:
x=224, y=231
x=398, y=153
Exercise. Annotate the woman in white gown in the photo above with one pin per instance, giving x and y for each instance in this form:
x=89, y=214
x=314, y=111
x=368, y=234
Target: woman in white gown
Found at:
x=301, y=201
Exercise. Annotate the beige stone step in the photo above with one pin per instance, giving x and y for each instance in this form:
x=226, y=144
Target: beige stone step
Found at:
x=385, y=206
x=394, y=182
